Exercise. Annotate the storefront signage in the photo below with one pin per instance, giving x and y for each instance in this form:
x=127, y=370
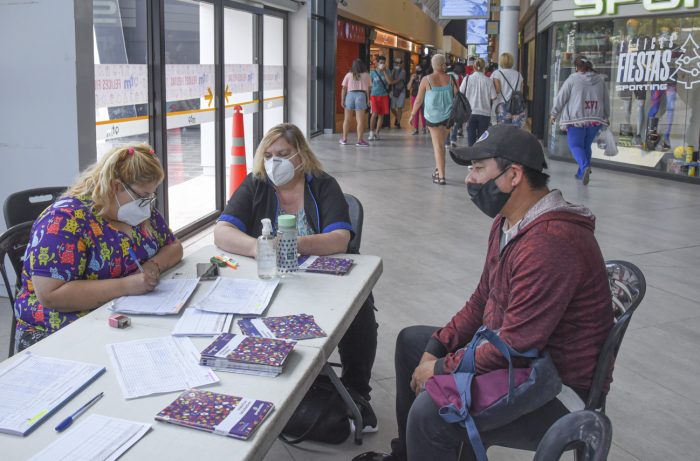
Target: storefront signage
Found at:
x=385, y=39
x=609, y=7
x=351, y=31
x=651, y=63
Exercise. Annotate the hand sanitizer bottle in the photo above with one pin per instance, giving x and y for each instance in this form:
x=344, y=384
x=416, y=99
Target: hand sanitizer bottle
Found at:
x=267, y=252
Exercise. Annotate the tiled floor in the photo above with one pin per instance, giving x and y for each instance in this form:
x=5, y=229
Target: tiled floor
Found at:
x=432, y=240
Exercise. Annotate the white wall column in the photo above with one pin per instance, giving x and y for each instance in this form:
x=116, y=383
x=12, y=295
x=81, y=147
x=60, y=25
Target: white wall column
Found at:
x=299, y=46
x=508, y=28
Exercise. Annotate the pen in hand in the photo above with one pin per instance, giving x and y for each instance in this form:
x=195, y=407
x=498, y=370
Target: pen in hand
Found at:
x=136, y=260
x=65, y=424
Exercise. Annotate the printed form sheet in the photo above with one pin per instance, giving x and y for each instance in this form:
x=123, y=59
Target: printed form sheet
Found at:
x=158, y=365
x=34, y=386
x=97, y=438
x=201, y=323
x=167, y=298
x=238, y=296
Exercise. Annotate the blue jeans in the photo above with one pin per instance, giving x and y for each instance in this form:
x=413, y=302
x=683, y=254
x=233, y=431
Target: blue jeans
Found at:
x=580, y=140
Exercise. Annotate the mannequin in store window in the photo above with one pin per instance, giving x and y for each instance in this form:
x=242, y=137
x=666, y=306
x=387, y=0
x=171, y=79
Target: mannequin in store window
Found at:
x=632, y=43
x=664, y=41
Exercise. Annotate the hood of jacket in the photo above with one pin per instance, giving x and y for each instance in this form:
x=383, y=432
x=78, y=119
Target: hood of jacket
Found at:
x=588, y=78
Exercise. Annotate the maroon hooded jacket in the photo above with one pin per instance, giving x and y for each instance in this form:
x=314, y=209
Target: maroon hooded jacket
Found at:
x=547, y=289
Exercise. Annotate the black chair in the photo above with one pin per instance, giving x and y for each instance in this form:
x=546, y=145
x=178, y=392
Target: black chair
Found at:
x=13, y=243
x=590, y=432
x=628, y=287
x=357, y=217
x=26, y=205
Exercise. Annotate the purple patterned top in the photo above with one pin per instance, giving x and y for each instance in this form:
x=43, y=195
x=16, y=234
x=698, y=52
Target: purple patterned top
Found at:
x=69, y=242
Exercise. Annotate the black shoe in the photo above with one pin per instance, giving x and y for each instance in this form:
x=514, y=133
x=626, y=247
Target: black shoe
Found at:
x=586, y=176
x=369, y=419
x=415, y=132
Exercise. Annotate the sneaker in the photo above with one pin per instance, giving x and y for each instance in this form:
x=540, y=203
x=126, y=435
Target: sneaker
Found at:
x=362, y=143
x=375, y=456
x=342, y=141
x=453, y=144
x=586, y=176
x=371, y=136
x=369, y=419
x=425, y=130
x=376, y=137
x=415, y=132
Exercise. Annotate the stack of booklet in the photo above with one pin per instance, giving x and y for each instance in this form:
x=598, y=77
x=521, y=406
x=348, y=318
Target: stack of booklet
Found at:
x=247, y=354
x=218, y=413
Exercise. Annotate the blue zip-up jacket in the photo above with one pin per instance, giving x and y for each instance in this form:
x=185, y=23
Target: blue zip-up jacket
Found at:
x=255, y=199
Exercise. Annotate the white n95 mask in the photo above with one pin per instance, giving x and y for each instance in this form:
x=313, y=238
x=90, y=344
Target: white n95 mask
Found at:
x=131, y=213
x=280, y=170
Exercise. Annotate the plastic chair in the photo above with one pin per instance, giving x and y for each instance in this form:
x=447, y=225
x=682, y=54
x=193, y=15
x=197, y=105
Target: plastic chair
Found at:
x=13, y=243
x=28, y=204
x=590, y=432
x=628, y=287
x=357, y=217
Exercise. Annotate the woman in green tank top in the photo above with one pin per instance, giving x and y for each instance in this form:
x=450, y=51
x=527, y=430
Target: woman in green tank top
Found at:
x=436, y=93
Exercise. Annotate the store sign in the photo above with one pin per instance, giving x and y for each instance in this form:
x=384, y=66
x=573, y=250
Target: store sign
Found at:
x=385, y=39
x=609, y=7
x=653, y=63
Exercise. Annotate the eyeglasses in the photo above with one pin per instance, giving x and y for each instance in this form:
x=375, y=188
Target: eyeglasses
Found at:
x=143, y=201
x=281, y=154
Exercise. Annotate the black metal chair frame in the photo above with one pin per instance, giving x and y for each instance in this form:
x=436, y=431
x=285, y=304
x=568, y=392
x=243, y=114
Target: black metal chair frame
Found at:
x=13, y=243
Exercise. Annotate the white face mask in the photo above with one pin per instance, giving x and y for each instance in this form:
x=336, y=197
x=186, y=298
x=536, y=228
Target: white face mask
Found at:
x=380, y=66
x=131, y=213
x=280, y=170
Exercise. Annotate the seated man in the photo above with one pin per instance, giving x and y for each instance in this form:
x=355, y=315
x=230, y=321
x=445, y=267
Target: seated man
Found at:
x=544, y=285
x=287, y=178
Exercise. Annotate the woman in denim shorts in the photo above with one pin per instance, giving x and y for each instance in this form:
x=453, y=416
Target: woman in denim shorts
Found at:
x=355, y=97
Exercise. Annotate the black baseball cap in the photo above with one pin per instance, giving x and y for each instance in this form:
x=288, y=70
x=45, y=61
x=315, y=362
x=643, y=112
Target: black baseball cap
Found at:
x=505, y=141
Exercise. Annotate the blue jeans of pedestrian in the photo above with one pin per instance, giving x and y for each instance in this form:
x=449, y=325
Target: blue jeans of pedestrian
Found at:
x=580, y=140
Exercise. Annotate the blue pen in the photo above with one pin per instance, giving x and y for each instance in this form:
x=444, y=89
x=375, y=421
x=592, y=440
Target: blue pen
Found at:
x=65, y=424
x=136, y=260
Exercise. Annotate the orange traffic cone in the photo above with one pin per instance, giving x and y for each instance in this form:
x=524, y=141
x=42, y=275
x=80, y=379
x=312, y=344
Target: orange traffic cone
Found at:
x=238, y=169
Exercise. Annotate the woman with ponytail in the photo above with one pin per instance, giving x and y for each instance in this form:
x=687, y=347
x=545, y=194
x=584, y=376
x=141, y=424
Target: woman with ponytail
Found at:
x=82, y=247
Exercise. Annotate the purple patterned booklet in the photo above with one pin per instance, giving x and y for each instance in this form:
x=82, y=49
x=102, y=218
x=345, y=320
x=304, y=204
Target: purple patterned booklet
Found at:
x=247, y=354
x=325, y=264
x=301, y=326
x=218, y=413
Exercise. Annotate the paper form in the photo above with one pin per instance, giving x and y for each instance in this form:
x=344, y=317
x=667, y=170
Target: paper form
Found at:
x=238, y=296
x=158, y=365
x=34, y=386
x=97, y=438
x=200, y=323
x=167, y=298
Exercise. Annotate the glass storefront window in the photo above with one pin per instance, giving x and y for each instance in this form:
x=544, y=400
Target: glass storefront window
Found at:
x=652, y=68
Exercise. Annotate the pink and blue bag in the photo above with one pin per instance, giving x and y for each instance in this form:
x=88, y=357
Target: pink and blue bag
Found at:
x=494, y=399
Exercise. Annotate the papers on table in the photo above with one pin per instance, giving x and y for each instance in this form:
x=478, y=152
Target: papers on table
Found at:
x=167, y=298
x=97, y=438
x=33, y=387
x=200, y=323
x=238, y=296
x=157, y=365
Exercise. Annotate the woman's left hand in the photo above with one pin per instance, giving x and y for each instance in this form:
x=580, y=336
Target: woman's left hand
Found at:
x=421, y=374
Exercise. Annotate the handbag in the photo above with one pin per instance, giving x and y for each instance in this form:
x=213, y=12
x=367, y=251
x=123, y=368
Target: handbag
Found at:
x=606, y=141
x=494, y=399
x=321, y=416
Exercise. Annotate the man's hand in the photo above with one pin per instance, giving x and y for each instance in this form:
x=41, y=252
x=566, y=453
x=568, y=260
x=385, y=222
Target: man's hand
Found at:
x=552, y=120
x=423, y=372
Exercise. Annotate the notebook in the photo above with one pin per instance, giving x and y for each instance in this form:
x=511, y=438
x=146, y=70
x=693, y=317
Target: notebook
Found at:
x=247, y=354
x=221, y=414
x=325, y=264
x=301, y=326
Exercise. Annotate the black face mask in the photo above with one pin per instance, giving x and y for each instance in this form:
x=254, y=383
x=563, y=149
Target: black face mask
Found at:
x=488, y=197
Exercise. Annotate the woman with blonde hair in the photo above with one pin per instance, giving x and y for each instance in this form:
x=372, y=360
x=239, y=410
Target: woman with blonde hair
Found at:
x=355, y=98
x=82, y=247
x=436, y=93
x=507, y=81
x=287, y=178
x=480, y=93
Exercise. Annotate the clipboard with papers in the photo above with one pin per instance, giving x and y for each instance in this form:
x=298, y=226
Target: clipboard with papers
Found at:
x=35, y=387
